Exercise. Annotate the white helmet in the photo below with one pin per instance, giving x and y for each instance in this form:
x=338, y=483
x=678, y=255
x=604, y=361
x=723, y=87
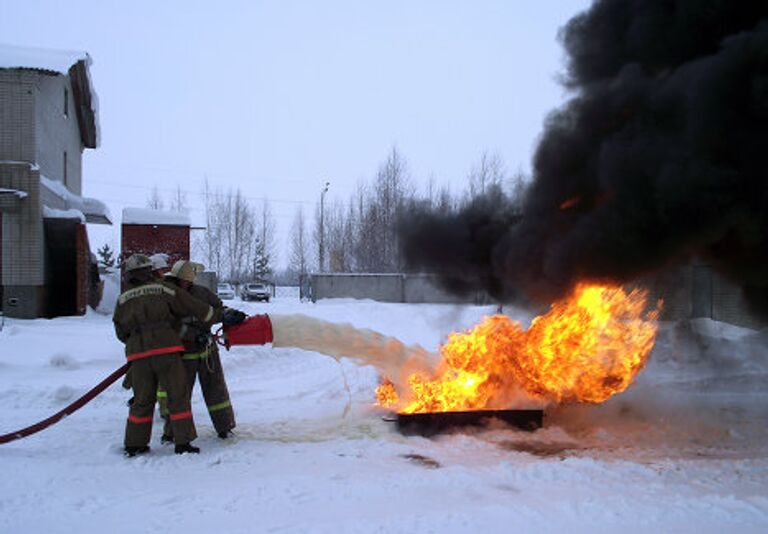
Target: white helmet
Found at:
x=137, y=261
x=159, y=261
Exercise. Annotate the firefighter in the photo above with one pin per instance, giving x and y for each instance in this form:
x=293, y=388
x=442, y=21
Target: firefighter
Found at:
x=201, y=355
x=159, y=270
x=147, y=319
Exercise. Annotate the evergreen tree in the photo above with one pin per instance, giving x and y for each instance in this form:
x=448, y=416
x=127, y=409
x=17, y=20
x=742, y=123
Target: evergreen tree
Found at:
x=106, y=257
x=261, y=266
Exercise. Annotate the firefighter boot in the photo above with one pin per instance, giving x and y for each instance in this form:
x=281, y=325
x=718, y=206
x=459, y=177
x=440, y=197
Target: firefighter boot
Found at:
x=130, y=452
x=181, y=448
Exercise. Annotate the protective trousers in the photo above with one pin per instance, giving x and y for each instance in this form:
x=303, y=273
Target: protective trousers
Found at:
x=167, y=372
x=206, y=367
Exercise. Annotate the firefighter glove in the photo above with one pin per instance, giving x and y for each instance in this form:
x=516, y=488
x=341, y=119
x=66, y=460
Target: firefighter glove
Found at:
x=233, y=317
x=203, y=338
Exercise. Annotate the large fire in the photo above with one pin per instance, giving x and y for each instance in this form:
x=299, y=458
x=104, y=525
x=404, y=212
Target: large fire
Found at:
x=588, y=347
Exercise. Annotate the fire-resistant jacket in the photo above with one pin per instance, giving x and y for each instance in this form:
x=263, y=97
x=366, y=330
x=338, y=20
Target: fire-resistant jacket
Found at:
x=148, y=318
x=193, y=330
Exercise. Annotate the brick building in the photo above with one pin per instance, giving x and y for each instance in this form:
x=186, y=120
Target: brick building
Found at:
x=48, y=116
x=148, y=232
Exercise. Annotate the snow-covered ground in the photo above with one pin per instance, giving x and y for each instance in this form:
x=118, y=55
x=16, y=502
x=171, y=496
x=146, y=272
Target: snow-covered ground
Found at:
x=684, y=449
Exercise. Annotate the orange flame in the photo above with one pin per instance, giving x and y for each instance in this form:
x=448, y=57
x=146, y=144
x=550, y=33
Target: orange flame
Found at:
x=587, y=348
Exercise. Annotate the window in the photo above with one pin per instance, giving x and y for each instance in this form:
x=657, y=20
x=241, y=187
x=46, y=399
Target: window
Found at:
x=66, y=102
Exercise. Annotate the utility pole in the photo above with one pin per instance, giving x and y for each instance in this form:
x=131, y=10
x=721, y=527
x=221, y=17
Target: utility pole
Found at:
x=322, y=229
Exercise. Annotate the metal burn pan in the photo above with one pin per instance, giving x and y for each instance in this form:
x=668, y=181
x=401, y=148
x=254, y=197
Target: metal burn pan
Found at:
x=431, y=424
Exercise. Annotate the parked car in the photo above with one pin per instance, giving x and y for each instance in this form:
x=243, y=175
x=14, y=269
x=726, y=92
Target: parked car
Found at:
x=255, y=291
x=225, y=291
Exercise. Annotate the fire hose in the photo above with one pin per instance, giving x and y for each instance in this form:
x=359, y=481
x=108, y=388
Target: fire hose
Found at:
x=256, y=330
x=72, y=408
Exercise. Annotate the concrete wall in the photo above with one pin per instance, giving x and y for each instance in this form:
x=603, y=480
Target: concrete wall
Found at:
x=22, y=255
x=411, y=288
x=690, y=291
x=34, y=127
x=17, y=115
x=23, y=302
x=674, y=287
x=728, y=305
x=381, y=287
x=35, y=132
x=695, y=291
x=58, y=133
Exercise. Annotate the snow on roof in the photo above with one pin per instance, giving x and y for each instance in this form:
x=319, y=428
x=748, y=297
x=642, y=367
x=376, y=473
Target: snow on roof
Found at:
x=149, y=216
x=21, y=57
x=53, y=213
x=58, y=61
x=17, y=193
x=95, y=210
x=32, y=166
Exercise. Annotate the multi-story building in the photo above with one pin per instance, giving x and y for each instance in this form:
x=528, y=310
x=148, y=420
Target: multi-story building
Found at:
x=48, y=116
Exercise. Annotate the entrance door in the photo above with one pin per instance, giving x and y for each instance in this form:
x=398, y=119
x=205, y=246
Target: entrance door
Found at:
x=60, y=266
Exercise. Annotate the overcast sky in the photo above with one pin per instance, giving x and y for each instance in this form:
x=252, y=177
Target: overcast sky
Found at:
x=278, y=97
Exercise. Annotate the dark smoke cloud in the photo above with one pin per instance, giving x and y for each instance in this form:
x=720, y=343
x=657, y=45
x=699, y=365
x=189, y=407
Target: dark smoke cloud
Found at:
x=660, y=155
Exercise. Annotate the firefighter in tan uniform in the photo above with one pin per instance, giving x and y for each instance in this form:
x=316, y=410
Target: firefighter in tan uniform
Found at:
x=201, y=355
x=159, y=270
x=147, y=319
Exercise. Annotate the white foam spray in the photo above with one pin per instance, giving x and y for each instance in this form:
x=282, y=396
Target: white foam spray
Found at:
x=390, y=356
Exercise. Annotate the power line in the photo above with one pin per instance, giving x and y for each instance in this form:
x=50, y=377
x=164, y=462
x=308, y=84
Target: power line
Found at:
x=200, y=193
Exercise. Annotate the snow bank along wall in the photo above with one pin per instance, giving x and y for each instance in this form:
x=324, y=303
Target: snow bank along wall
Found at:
x=691, y=291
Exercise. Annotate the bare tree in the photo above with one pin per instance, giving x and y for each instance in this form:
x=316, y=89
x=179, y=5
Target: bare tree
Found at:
x=265, y=232
x=230, y=234
x=179, y=200
x=391, y=188
x=362, y=243
x=154, y=200
x=444, y=203
x=239, y=233
x=338, y=243
x=350, y=236
x=518, y=188
x=298, y=261
x=213, y=236
x=486, y=173
x=368, y=249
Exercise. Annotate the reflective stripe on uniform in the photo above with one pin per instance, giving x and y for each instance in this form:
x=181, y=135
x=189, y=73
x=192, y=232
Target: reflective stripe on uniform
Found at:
x=155, y=352
x=181, y=415
x=140, y=420
x=220, y=406
x=162, y=394
x=210, y=314
x=145, y=290
x=196, y=355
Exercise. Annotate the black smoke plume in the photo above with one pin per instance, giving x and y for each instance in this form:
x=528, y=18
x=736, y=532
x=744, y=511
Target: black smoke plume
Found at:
x=660, y=155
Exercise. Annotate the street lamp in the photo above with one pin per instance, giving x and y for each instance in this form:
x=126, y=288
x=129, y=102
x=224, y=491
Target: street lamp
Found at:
x=322, y=229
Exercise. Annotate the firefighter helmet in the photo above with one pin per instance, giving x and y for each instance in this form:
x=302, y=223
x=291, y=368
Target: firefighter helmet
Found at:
x=159, y=261
x=186, y=270
x=136, y=262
